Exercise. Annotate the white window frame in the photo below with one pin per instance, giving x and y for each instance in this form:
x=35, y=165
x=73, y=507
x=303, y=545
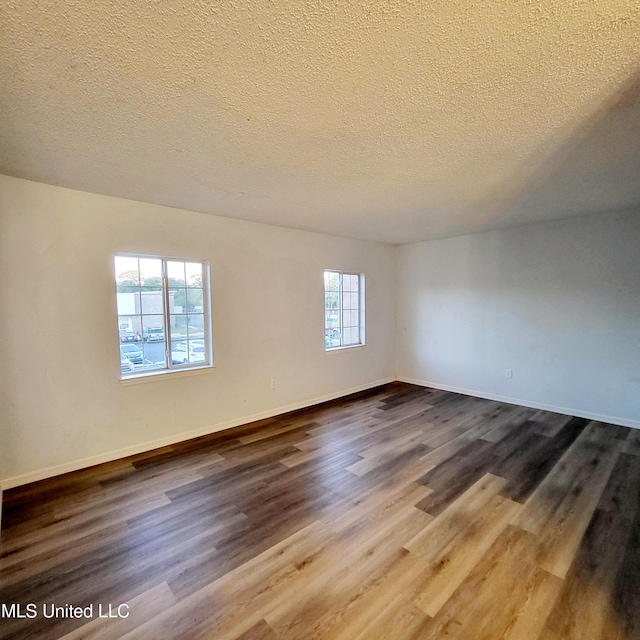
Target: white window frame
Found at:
x=361, y=311
x=166, y=314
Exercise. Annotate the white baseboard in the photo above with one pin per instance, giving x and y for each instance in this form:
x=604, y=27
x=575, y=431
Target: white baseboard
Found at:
x=623, y=422
x=110, y=456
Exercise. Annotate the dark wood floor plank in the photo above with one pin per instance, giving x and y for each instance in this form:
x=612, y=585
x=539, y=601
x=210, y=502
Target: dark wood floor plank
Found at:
x=584, y=607
x=32, y=561
x=582, y=475
x=549, y=424
x=510, y=422
x=632, y=443
x=528, y=464
x=622, y=493
x=453, y=424
x=452, y=478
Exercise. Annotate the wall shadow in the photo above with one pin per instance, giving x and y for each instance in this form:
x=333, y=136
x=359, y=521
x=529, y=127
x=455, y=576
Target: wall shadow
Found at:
x=596, y=170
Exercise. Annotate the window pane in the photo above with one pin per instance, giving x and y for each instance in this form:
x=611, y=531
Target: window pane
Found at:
x=332, y=300
x=332, y=337
x=350, y=300
x=351, y=335
x=175, y=272
x=194, y=300
x=193, y=274
x=354, y=318
x=196, y=325
x=331, y=318
x=128, y=302
x=178, y=333
x=178, y=325
x=196, y=351
x=177, y=299
x=179, y=351
x=127, y=273
x=153, y=342
x=129, y=328
x=331, y=281
x=151, y=274
x=152, y=302
x=153, y=328
x=131, y=358
x=154, y=357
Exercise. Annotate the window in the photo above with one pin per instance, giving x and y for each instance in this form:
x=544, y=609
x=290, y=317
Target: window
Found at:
x=343, y=309
x=163, y=314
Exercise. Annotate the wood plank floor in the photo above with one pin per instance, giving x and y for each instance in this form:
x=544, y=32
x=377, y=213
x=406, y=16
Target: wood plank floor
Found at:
x=401, y=512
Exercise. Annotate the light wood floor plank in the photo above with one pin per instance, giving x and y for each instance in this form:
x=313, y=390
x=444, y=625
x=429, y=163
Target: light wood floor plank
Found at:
x=139, y=610
x=505, y=596
x=450, y=568
x=454, y=521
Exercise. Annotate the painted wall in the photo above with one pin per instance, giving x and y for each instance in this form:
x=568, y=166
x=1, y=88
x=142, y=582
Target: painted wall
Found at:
x=64, y=403
x=558, y=303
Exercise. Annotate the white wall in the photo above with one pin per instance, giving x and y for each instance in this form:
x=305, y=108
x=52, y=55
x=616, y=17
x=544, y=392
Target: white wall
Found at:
x=64, y=404
x=559, y=303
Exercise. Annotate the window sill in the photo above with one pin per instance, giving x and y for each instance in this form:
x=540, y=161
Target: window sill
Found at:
x=164, y=374
x=346, y=348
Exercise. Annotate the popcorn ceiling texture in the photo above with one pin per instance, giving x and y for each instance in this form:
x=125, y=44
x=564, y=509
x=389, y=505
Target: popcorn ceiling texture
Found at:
x=395, y=121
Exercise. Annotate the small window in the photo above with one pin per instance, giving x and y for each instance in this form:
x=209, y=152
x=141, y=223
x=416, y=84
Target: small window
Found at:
x=343, y=309
x=163, y=314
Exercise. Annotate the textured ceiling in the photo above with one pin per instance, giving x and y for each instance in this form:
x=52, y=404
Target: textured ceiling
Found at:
x=397, y=120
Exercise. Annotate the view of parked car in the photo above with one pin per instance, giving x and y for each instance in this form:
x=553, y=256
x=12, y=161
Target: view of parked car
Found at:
x=126, y=366
x=132, y=352
x=129, y=336
x=153, y=334
x=191, y=351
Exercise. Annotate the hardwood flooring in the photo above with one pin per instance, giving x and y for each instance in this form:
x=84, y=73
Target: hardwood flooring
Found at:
x=401, y=512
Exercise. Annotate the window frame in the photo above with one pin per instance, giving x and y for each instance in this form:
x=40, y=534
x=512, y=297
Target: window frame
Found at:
x=170, y=368
x=361, y=310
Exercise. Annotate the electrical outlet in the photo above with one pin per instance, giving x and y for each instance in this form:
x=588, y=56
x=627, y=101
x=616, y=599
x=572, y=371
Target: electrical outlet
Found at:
x=508, y=373
x=274, y=383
